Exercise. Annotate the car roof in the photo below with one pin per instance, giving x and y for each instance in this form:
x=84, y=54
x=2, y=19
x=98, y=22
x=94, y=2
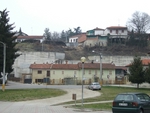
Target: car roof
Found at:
x=133, y=93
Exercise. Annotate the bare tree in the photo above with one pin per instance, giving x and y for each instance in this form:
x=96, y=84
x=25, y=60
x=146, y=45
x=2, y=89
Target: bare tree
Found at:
x=55, y=35
x=140, y=22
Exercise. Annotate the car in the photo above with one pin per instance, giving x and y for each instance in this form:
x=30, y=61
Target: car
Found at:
x=131, y=103
x=94, y=86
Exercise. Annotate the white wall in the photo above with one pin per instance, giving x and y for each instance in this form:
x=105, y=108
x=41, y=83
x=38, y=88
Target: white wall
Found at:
x=114, y=32
x=74, y=39
x=22, y=63
x=99, y=32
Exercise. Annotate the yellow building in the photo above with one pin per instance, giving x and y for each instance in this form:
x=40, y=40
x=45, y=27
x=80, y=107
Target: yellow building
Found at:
x=73, y=73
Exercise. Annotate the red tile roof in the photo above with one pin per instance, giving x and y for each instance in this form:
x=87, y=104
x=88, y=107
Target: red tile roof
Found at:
x=116, y=27
x=30, y=37
x=97, y=66
x=40, y=66
x=82, y=38
x=76, y=66
x=145, y=62
x=98, y=29
x=65, y=66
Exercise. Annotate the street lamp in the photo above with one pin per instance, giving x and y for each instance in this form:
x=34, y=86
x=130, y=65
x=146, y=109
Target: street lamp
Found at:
x=4, y=61
x=82, y=60
x=100, y=67
x=50, y=73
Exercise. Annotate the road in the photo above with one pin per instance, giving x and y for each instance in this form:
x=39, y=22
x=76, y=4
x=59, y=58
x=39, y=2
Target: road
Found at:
x=47, y=105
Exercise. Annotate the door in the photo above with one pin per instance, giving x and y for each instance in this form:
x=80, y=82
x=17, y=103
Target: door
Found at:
x=147, y=103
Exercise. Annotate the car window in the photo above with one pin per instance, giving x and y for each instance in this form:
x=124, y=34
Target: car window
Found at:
x=126, y=97
x=147, y=98
x=140, y=97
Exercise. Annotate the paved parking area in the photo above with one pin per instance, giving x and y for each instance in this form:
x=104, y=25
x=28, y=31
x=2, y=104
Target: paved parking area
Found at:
x=48, y=105
x=23, y=107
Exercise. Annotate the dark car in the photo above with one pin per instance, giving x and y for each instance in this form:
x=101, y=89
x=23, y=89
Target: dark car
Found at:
x=95, y=86
x=131, y=103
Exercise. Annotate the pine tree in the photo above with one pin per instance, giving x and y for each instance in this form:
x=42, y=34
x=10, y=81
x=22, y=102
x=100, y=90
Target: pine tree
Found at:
x=136, y=71
x=7, y=37
x=147, y=74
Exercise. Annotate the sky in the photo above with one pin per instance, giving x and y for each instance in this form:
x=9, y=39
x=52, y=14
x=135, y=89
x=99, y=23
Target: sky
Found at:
x=33, y=16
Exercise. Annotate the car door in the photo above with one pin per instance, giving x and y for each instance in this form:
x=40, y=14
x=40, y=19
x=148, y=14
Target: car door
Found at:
x=147, y=103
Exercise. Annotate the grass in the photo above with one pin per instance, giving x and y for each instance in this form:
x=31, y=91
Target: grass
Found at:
x=29, y=94
x=94, y=107
x=108, y=93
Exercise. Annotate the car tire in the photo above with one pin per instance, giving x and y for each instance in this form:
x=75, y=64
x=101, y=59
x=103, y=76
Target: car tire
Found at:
x=141, y=111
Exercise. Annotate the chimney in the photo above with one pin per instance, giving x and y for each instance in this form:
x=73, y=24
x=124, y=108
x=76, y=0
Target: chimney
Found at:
x=66, y=62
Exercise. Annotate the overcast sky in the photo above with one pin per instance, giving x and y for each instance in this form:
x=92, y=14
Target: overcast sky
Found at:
x=33, y=16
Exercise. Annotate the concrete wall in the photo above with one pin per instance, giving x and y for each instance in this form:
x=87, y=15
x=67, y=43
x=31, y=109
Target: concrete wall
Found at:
x=117, y=60
x=22, y=63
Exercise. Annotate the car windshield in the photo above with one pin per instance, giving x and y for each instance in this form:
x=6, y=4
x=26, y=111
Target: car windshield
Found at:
x=95, y=83
x=124, y=97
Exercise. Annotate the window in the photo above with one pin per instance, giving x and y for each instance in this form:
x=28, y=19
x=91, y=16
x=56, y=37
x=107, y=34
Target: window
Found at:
x=95, y=72
x=140, y=97
x=110, y=31
x=62, y=72
x=39, y=72
x=89, y=71
x=122, y=31
x=110, y=72
x=126, y=97
x=48, y=73
x=116, y=31
x=146, y=97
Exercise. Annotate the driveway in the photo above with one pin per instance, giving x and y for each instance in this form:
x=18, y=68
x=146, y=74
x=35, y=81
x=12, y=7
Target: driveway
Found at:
x=47, y=105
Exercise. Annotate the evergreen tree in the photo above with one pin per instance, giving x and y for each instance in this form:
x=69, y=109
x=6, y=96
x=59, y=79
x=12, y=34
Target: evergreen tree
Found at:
x=147, y=74
x=136, y=71
x=47, y=34
x=7, y=37
x=63, y=36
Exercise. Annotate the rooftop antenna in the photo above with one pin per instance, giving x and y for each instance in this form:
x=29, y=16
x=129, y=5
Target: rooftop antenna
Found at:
x=118, y=22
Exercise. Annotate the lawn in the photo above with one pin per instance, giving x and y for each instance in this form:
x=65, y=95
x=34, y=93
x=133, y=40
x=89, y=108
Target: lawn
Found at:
x=29, y=94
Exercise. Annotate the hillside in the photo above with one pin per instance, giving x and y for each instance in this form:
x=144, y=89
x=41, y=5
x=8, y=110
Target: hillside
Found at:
x=77, y=53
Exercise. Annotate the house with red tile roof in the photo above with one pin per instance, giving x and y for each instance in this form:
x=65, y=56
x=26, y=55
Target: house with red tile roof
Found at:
x=96, y=37
x=145, y=63
x=23, y=38
x=117, y=33
x=72, y=73
x=20, y=33
x=76, y=40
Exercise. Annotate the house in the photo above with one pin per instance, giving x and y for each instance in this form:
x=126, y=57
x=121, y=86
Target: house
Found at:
x=117, y=34
x=145, y=63
x=23, y=38
x=96, y=37
x=20, y=33
x=72, y=73
x=77, y=40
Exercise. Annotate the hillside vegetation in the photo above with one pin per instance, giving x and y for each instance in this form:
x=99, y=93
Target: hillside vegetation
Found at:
x=77, y=53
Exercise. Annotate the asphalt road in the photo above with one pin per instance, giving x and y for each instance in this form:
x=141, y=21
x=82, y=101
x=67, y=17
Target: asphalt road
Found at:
x=47, y=105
